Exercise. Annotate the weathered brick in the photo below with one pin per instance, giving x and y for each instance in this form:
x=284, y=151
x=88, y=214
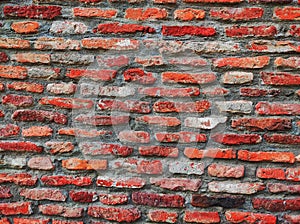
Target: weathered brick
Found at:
x=234, y=187
x=212, y=1
x=37, y=131
x=294, y=31
x=58, y=210
x=158, y=200
x=30, y=221
x=139, y=76
x=56, y=43
x=43, y=72
x=276, y=205
x=275, y=157
x=4, y=221
x=255, y=92
x=251, y=31
x=276, y=108
x=225, y=201
x=219, y=170
x=115, y=91
x=113, y=199
x=280, y=78
x=186, y=107
x=31, y=58
x=25, y=27
x=291, y=62
x=282, y=139
x=70, y=58
x=59, y=147
x=282, y=188
x=271, y=173
x=237, y=106
x=188, y=61
x=97, y=75
x=17, y=100
x=40, y=163
x=177, y=184
x=188, y=30
x=13, y=72
x=189, y=14
x=39, y=116
x=162, y=151
x=249, y=217
x=80, y=164
x=169, y=92
x=9, y=130
x=293, y=219
x=199, y=216
x=66, y=222
x=32, y=11
x=194, y=153
x=20, y=147
x=68, y=27
x=3, y=57
x=247, y=62
x=214, y=91
x=68, y=103
x=273, y=46
x=95, y=12
x=237, y=139
x=132, y=106
x=154, y=167
x=164, y=1
x=107, y=28
x=128, y=182
x=187, y=167
x=159, y=120
x=181, y=137
x=115, y=214
x=293, y=174
x=14, y=43
x=102, y=120
x=162, y=216
x=204, y=123
x=43, y=194
x=83, y=133
x=237, y=14
x=61, y=88
x=188, y=78
x=5, y=193
x=134, y=136
x=66, y=180
x=237, y=77
x=15, y=208
x=287, y=13
x=22, y=179
x=110, y=44
x=145, y=14
x=113, y=60
x=98, y=148
x=83, y=196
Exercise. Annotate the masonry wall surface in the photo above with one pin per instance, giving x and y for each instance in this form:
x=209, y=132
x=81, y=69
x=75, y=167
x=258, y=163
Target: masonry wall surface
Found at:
x=158, y=111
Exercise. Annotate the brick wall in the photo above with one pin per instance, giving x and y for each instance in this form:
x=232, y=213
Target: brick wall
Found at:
x=158, y=111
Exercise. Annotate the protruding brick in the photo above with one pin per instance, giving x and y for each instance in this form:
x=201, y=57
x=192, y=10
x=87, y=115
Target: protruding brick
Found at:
x=177, y=184
x=255, y=92
x=80, y=164
x=237, y=14
x=189, y=14
x=15, y=208
x=280, y=78
x=58, y=210
x=3, y=57
x=9, y=130
x=145, y=14
x=283, y=188
x=188, y=30
x=30, y=221
x=68, y=103
x=186, y=107
x=201, y=217
x=95, y=12
x=60, y=147
x=66, y=180
x=291, y=62
x=162, y=216
x=43, y=194
x=194, y=153
x=25, y=27
x=251, y=31
x=249, y=217
x=159, y=120
x=121, y=28
x=83, y=133
x=234, y=187
x=14, y=43
x=83, y=196
x=276, y=205
x=225, y=201
x=37, y=131
x=247, y=62
x=139, y=76
x=113, y=199
x=39, y=116
x=237, y=139
x=128, y=182
x=22, y=179
x=276, y=108
x=162, y=151
x=188, y=78
x=32, y=11
x=13, y=72
x=271, y=173
x=219, y=170
x=287, y=13
x=20, y=147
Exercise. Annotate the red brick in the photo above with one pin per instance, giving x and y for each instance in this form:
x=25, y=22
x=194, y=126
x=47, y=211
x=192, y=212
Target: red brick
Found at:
x=30, y=221
x=158, y=200
x=116, y=28
x=185, y=78
x=98, y=148
x=164, y=1
x=186, y=107
x=162, y=151
x=247, y=62
x=234, y=187
x=140, y=166
x=159, y=120
x=249, y=217
x=237, y=14
x=31, y=58
x=214, y=91
x=9, y=130
x=3, y=57
x=225, y=201
x=113, y=199
x=110, y=44
x=58, y=210
x=15, y=208
x=294, y=31
x=271, y=1
x=266, y=108
x=282, y=188
x=275, y=157
x=139, y=76
x=2, y=87
x=293, y=174
x=255, y=92
x=273, y=46
x=66, y=180
x=60, y=147
x=126, y=105
x=219, y=170
x=237, y=77
x=199, y=216
x=181, y=137
x=251, y=31
x=145, y=14
x=270, y=173
x=37, y=131
x=39, y=116
x=115, y=214
x=292, y=219
x=13, y=72
x=14, y=43
x=83, y=196
x=177, y=184
x=43, y=194
x=287, y=13
x=95, y=12
x=17, y=100
x=280, y=78
x=282, y=139
x=20, y=147
x=291, y=62
x=26, y=86
x=2, y=114
x=5, y=193
x=22, y=179
x=260, y=124
x=189, y=61
x=25, y=27
x=169, y=92
x=102, y=120
x=194, y=153
x=56, y=43
x=83, y=133
x=163, y=216
x=237, y=139
x=4, y=221
x=276, y=205
x=178, y=31
x=212, y=1
x=66, y=222
x=186, y=167
x=128, y=182
x=189, y=14
x=68, y=103
x=134, y=136
x=40, y=163
x=32, y=11
x=97, y=75
x=80, y=164
x=61, y=88
x=113, y=61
